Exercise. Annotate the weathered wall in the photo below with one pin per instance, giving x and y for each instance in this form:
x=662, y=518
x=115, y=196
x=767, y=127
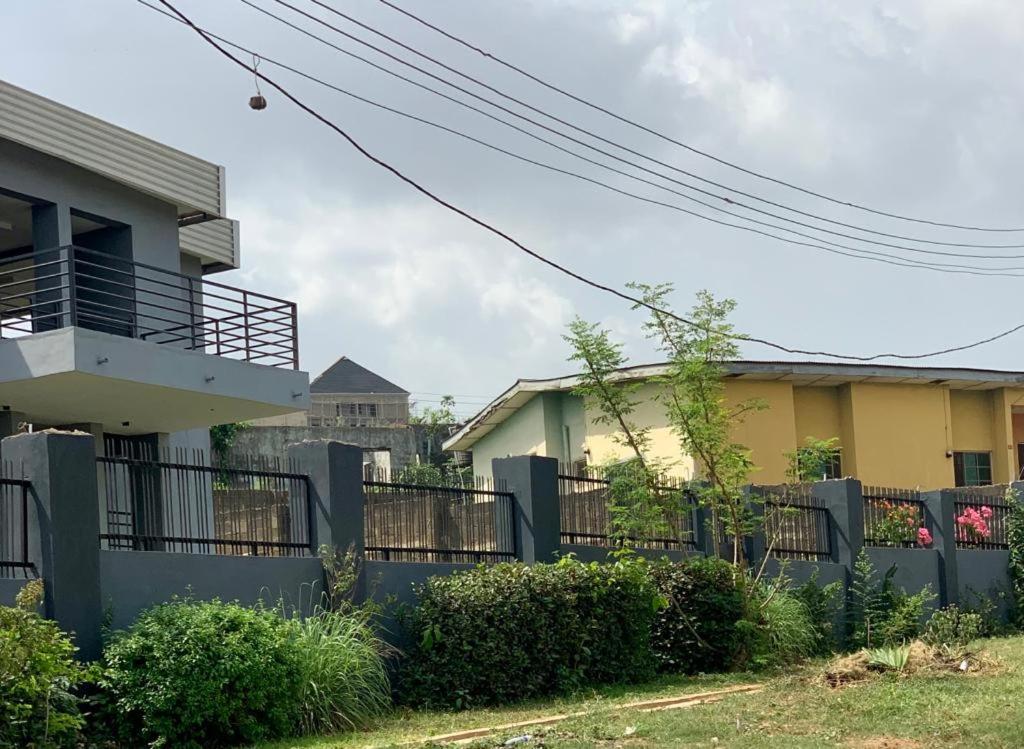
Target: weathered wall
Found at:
x=404, y=443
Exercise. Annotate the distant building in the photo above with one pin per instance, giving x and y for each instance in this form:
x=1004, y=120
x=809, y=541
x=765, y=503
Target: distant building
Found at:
x=348, y=394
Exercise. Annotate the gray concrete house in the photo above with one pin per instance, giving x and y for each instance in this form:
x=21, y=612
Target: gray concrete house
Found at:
x=111, y=317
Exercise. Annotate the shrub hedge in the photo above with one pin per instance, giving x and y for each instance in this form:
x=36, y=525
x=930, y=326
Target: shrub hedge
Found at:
x=37, y=673
x=506, y=632
x=196, y=674
x=697, y=631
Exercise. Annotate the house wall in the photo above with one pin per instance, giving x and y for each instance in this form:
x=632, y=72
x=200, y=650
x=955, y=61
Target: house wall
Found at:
x=891, y=434
x=520, y=434
x=154, y=223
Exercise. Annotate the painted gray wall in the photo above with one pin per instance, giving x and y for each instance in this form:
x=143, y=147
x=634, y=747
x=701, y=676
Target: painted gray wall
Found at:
x=9, y=589
x=915, y=568
x=984, y=573
x=153, y=222
x=131, y=581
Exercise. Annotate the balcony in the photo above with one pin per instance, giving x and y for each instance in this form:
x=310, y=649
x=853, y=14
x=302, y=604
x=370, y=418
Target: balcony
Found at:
x=89, y=337
x=74, y=286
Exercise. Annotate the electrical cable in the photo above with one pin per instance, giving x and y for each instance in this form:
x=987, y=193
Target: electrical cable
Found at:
x=897, y=260
x=620, y=159
x=636, y=302
x=669, y=139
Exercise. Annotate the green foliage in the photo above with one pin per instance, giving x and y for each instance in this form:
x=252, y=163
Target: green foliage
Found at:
x=430, y=474
x=223, y=436
x=436, y=419
x=37, y=674
x=697, y=631
x=810, y=461
x=343, y=681
x=196, y=674
x=696, y=406
x=506, y=632
x=1015, y=541
x=778, y=626
x=952, y=629
x=822, y=604
x=879, y=613
x=890, y=657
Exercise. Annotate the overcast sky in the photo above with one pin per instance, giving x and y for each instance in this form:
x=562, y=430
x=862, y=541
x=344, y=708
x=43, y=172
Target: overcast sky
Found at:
x=913, y=107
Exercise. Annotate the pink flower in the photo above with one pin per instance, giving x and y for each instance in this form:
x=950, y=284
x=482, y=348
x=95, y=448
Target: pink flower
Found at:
x=986, y=512
x=924, y=538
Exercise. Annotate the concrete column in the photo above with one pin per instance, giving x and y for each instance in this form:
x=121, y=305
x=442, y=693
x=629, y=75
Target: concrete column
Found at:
x=64, y=528
x=940, y=514
x=844, y=500
x=51, y=230
x=335, y=471
x=537, y=518
x=10, y=422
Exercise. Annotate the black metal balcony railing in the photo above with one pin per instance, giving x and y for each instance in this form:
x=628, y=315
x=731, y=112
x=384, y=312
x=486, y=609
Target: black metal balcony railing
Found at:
x=74, y=286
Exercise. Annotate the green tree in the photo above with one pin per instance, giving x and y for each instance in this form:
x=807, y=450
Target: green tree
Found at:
x=810, y=461
x=697, y=408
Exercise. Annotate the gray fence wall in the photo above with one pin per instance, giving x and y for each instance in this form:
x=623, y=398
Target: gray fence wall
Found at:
x=84, y=584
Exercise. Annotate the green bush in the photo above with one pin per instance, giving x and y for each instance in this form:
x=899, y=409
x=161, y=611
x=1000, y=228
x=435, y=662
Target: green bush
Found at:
x=785, y=630
x=37, y=673
x=952, y=629
x=879, y=613
x=196, y=674
x=507, y=632
x=823, y=606
x=697, y=631
x=343, y=678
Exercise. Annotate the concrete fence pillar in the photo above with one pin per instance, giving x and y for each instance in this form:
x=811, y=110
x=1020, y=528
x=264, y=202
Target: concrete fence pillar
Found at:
x=844, y=499
x=64, y=528
x=536, y=519
x=940, y=514
x=335, y=471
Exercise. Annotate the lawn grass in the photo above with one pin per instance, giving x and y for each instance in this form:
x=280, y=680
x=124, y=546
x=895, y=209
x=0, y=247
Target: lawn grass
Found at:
x=985, y=710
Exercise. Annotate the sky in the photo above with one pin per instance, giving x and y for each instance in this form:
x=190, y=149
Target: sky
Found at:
x=913, y=107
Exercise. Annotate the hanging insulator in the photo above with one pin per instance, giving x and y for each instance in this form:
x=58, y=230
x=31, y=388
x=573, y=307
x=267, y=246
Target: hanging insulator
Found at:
x=258, y=101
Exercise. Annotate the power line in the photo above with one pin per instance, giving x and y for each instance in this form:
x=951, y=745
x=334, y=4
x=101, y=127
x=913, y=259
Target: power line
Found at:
x=891, y=259
x=601, y=138
x=639, y=303
x=896, y=259
x=681, y=144
x=613, y=156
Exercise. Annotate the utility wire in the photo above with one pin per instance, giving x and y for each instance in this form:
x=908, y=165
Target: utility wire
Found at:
x=615, y=144
x=681, y=144
x=637, y=302
x=615, y=170
x=585, y=144
x=897, y=260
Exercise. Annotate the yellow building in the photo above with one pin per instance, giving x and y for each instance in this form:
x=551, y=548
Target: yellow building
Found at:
x=906, y=427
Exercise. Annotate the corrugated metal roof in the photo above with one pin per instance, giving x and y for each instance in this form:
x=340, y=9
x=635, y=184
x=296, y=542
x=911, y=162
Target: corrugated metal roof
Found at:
x=188, y=182
x=345, y=376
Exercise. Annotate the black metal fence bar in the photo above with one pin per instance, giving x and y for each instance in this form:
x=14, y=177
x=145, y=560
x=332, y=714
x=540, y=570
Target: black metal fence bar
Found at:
x=66, y=286
x=884, y=508
x=14, y=496
x=194, y=507
x=422, y=523
x=992, y=508
x=586, y=516
x=797, y=525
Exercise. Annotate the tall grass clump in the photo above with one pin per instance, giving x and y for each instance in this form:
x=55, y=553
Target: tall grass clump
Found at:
x=343, y=678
